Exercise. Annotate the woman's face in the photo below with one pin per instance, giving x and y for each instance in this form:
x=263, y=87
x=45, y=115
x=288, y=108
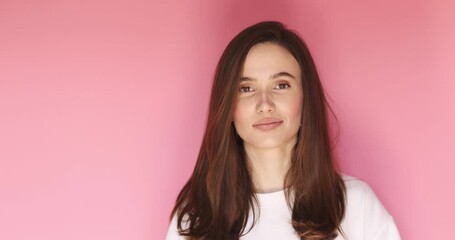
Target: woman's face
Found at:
x=267, y=110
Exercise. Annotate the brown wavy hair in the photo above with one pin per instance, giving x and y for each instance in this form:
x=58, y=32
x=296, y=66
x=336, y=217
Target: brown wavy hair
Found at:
x=216, y=200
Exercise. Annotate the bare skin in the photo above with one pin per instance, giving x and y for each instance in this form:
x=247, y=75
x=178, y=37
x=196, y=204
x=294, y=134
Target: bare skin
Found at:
x=267, y=114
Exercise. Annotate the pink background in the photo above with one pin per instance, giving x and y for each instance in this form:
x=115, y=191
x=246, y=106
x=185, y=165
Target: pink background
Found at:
x=103, y=105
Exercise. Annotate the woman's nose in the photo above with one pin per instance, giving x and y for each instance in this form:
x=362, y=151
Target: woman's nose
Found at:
x=265, y=103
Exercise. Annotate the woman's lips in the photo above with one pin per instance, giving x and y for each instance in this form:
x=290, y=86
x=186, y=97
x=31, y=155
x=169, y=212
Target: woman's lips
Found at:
x=267, y=124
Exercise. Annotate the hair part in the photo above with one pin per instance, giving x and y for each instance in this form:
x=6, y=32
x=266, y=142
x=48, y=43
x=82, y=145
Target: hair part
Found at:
x=216, y=200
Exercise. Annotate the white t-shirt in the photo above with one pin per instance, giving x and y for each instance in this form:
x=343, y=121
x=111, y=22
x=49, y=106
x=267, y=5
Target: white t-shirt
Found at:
x=365, y=217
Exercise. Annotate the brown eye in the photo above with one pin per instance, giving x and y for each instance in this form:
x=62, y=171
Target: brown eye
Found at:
x=282, y=86
x=246, y=89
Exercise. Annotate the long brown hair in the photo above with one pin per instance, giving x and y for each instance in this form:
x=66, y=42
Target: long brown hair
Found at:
x=216, y=200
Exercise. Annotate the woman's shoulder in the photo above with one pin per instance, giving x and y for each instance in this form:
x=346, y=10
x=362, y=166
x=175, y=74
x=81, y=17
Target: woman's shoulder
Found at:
x=172, y=232
x=357, y=189
x=365, y=214
x=355, y=185
x=361, y=198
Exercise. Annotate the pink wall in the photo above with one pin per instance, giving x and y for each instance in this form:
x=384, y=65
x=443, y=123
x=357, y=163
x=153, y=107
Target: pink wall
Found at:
x=103, y=104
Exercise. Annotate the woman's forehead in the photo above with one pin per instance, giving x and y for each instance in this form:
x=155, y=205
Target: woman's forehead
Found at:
x=268, y=60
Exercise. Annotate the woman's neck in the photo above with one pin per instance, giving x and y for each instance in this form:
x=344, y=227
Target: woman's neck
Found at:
x=268, y=167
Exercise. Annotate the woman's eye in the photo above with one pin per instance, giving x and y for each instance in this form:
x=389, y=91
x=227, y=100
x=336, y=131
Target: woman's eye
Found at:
x=282, y=86
x=246, y=89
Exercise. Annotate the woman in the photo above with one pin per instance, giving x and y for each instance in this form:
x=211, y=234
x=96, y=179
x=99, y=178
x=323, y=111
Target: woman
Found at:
x=265, y=168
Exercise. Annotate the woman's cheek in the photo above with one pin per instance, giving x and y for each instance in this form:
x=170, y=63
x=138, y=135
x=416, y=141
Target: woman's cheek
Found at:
x=295, y=107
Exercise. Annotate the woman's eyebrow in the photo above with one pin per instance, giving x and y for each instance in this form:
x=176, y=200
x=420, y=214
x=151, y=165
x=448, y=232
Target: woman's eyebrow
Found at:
x=282, y=74
x=276, y=75
x=243, y=79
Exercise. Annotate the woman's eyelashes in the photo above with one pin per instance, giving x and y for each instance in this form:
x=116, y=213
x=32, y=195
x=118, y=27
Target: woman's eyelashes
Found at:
x=282, y=86
x=246, y=89
x=279, y=86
